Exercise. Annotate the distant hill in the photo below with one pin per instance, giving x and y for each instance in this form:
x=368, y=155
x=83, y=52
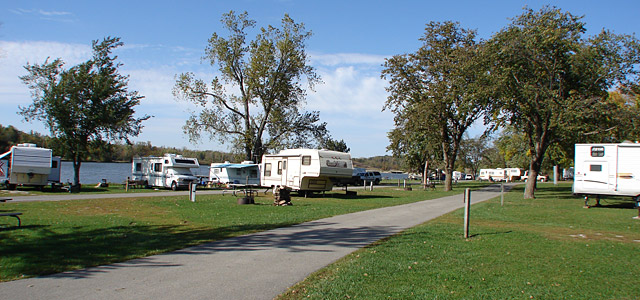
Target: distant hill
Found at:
x=380, y=163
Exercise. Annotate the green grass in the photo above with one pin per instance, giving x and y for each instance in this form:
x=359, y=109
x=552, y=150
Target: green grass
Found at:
x=66, y=235
x=547, y=248
x=86, y=189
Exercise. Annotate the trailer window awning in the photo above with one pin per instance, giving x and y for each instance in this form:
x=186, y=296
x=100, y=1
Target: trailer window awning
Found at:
x=3, y=155
x=234, y=166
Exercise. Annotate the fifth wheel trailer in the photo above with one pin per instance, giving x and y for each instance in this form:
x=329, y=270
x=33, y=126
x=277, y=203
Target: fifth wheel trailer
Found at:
x=305, y=170
x=29, y=165
x=607, y=169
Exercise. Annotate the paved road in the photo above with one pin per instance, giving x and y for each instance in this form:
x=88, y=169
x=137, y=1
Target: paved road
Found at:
x=256, y=266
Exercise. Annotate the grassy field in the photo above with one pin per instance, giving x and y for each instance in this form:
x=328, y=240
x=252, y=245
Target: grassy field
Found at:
x=86, y=189
x=67, y=235
x=547, y=248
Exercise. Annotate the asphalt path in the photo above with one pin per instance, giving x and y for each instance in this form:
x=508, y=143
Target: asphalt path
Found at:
x=256, y=266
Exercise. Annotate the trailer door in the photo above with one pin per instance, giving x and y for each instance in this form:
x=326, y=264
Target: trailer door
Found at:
x=597, y=176
x=293, y=172
x=628, y=175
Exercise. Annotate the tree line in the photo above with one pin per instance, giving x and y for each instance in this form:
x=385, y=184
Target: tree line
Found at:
x=109, y=152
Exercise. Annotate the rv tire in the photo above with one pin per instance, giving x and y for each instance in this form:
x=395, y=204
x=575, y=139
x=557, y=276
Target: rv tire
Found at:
x=146, y=184
x=174, y=186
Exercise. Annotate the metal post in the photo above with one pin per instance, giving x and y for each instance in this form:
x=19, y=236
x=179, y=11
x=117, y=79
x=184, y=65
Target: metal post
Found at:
x=467, y=207
x=555, y=175
x=192, y=191
x=126, y=185
x=501, y=194
x=404, y=184
x=371, y=185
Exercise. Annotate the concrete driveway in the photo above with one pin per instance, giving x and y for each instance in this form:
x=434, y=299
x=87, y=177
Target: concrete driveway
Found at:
x=255, y=266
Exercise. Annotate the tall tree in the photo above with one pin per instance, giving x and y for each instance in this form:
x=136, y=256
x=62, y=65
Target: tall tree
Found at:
x=264, y=113
x=85, y=104
x=335, y=145
x=552, y=83
x=442, y=85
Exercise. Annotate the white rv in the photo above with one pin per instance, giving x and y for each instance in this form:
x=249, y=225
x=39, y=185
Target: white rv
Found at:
x=305, y=169
x=607, y=169
x=27, y=164
x=170, y=171
x=243, y=173
x=512, y=174
x=492, y=174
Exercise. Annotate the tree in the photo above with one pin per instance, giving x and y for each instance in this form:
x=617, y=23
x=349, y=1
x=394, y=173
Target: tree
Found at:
x=264, y=113
x=552, y=84
x=85, y=104
x=472, y=152
x=335, y=145
x=441, y=86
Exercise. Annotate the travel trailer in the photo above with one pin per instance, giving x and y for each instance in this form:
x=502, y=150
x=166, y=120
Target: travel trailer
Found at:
x=305, y=170
x=492, y=174
x=170, y=171
x=512, y=174
x=246, y=172
x=607, y=169
x=29, y=165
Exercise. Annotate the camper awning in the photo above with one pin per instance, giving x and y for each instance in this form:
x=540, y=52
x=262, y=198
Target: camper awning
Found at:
x=234, y=166
x=4, y=154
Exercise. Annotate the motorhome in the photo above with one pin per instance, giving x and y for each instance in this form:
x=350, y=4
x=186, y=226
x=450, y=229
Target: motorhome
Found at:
x=492, y=174
x=305, y=170
x=246, y=172
x=29, y=165
x=607, y=169
x=169, y=171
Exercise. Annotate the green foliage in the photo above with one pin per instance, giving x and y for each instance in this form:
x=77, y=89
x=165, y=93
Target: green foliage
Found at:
x=383, y=163
x=264, y=113
x=335, y=145
x=436, y=93
x=85, y=104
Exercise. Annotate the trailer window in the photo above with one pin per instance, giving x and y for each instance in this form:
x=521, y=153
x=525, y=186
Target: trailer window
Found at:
x=157, y=167
x=597, y=151
x=595, y=168
x=267, y=169
x=280, y=168
x=138, y=167
x=306, y=160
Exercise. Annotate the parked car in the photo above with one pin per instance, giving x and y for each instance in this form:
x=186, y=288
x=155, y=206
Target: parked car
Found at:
x=541, y=178
x=468, y=177
x=376, y=177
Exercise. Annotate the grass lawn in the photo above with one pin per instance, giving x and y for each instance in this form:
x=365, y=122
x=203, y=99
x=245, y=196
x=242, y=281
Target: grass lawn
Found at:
x=547, y=248
x=113, y=188
x=66, y=235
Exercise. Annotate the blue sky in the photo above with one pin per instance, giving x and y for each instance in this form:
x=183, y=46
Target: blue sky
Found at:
x=350, y=41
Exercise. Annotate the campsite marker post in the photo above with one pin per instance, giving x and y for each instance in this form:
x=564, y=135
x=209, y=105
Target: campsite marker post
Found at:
x=467, y=207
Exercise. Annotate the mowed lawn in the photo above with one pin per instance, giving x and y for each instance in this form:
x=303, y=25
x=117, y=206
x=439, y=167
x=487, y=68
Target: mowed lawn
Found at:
x=67, y=235
x=547, y=248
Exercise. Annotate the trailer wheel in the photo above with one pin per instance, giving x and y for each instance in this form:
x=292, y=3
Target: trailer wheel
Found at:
x=146, y=184
x=174, y=186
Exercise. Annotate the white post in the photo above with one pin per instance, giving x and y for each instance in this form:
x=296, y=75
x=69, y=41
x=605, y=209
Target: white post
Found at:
x=192, y=191
x=467, y=208
x=555, y=175
x=404, y=184
x=501, y=194
x=371, y=185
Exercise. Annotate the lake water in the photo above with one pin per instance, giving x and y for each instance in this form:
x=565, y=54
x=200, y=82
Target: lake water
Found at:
x=92, y=172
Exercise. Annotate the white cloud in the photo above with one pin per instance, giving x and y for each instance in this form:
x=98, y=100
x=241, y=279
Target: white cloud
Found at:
x=345, y=59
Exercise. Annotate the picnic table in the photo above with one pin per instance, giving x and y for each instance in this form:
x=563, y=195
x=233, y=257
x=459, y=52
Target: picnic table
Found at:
x=11, y=214
x=249, y=190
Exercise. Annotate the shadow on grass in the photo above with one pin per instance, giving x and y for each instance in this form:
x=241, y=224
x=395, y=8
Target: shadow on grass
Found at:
x=491, y=233
x=40, y=251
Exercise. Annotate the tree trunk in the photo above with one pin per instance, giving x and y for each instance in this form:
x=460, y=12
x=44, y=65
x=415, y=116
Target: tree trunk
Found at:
x=532, y=179
x=77, y=161
x=425, y=173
